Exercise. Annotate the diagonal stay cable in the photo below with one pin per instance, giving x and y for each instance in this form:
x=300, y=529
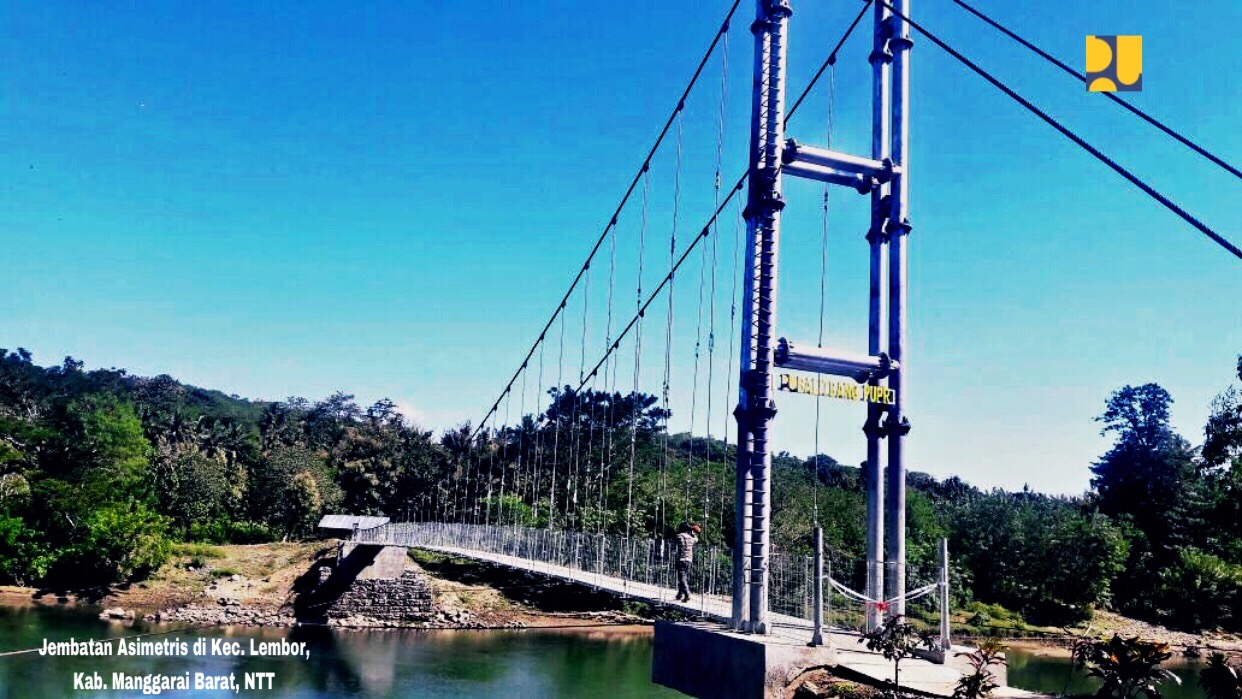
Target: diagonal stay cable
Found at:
x=708, y=227
x=629, y=191
x=1126, y=105
x=1134, y=179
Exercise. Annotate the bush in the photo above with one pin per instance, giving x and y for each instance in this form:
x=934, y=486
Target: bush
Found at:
x=222, y=531
x=1200, y=591
x=250, y=533
x=120, y=543
x=982, y=681
x=1220, y=680
x=197, y=550
x=224, y=572
x=1128, y=667
x=23, y=555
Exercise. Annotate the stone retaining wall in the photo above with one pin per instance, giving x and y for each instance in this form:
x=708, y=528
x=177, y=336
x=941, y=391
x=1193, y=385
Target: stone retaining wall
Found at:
x=403, y=599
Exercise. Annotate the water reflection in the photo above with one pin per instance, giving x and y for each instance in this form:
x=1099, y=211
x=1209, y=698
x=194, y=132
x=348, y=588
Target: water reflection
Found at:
x=613, y=662
x=1051, y=671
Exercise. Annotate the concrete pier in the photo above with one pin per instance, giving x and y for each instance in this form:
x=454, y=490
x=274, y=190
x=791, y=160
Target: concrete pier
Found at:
x=707, y=660
x=710, y=661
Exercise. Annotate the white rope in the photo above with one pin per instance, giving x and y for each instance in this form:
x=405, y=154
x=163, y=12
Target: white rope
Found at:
x=913, y=594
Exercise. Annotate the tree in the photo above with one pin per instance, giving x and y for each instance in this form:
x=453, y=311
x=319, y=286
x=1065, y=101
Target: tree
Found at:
x=1200, y=591
x=1222, y=461
x=14, y=490
x=1222, y=442
x=106, y=445
x=281, y=491
x=120, y=542
x=1148, y=478
x=192, y=489
x=1036, y=554
x=304, y=504
x=23, y=554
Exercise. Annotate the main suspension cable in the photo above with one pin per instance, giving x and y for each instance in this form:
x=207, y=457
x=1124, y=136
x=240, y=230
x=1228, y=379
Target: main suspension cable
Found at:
x=642, y=168
x=1126, y=105
x=1065, y=131
x=737, y=187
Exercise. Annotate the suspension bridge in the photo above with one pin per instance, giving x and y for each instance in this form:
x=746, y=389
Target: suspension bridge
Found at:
x=590, y=487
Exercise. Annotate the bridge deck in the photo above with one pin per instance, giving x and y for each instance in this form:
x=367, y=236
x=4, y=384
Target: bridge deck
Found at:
x=916, y=673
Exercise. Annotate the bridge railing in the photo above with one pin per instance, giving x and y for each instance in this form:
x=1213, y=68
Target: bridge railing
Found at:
x=633, y=560
x=590, y=557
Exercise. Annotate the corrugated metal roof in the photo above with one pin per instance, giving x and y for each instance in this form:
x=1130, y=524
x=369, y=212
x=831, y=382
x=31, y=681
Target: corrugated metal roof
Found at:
x=348, y=522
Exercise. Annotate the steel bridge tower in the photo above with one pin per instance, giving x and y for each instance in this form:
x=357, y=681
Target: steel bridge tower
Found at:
x=882, y=175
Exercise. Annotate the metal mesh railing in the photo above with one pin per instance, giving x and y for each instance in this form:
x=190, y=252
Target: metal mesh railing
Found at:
x=604, y=560
x=594, y=556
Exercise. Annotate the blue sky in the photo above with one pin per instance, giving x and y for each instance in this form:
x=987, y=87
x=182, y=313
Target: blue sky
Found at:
x=298, y=198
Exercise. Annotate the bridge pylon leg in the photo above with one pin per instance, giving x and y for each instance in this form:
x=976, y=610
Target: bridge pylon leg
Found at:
x=877, y=241
x=763, y=214
x=898, y=229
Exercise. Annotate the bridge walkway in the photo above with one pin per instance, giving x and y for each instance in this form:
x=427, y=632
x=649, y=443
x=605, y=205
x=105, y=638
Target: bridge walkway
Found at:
x=916, y=673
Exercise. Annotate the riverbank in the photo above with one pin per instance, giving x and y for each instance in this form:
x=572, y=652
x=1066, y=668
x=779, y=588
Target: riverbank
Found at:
x=258, y=585
x=1184, y=644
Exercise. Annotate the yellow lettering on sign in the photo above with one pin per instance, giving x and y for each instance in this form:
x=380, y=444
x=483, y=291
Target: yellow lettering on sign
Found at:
x=841, y=390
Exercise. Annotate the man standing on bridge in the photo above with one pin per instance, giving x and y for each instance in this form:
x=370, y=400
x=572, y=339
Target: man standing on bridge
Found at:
x=687, y=537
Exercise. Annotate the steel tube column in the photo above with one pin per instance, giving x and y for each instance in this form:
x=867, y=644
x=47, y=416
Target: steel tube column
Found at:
x=764, y=204
x=898, y=230
x=873, y=469
x=743, y=482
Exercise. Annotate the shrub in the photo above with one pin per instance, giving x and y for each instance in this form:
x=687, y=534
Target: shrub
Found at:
x=250, y=533
x=121, y=543
x=222, y=531
x=982, y=681
x=896, y=640
x=1200, y=590
x=1219, y=679
x=23, y=555
x=197, y=550
x=1128, y=667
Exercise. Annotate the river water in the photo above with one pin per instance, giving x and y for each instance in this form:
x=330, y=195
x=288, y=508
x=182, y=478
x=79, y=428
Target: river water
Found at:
x=568, y=662
x=1052, y=673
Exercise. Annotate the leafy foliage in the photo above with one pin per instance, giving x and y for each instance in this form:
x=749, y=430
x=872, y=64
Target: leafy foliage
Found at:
x=1219, y=679
x=99, y=469
x=120, y=542
x=1128, y=667
x=896, y=640
x=982, y=680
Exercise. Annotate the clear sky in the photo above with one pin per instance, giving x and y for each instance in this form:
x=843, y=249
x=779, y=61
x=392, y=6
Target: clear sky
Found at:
x=285, y=199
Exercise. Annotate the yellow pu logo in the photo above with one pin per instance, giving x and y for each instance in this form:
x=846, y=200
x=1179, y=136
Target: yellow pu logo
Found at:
x=1114, y=63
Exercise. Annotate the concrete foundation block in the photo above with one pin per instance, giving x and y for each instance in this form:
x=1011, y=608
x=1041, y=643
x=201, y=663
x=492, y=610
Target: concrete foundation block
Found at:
x=709, y=661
